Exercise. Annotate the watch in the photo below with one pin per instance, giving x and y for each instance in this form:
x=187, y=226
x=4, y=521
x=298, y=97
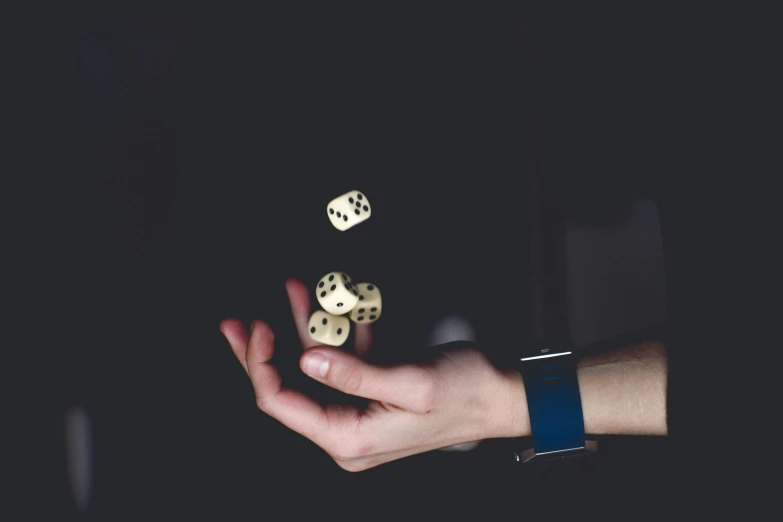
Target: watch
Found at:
x=554, y=405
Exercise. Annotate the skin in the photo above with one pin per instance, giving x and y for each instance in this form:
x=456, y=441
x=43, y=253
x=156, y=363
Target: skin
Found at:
x=456, y=397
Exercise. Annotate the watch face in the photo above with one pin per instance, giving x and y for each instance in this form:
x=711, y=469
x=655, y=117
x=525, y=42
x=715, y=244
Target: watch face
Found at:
x=540, y=349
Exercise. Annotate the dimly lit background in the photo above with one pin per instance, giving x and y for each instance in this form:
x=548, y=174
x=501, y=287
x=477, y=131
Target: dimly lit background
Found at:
x=194, y=159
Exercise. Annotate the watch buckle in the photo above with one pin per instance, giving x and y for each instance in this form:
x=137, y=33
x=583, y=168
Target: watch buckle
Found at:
x=529, y=456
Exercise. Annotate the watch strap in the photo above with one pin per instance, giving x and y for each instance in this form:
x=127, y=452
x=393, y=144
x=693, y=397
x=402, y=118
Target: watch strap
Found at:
x=554, y=407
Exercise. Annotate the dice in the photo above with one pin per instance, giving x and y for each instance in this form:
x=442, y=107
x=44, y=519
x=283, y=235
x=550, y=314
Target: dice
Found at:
x=348, y=210
x=336, y=293
x=328, y=329
x=368, y=309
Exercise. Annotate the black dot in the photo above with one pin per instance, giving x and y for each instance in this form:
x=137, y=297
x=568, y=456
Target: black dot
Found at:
x=331, y=277
x=359, y=196
x=358, y=204
x=324, y=321
x=370, y=287
x=361, y=310
x=347, y=287
x=321, y=284
x=365, y=208
x=374, y=309
x=339, y=305
x=355, y=292
x=345, y=218
x=331, y=211
x=360, y=318
x=332, y=287
x=357, y=211
x=338, y=214
x=312, y=329
x=339, y=331
x=361, y=298
x=345, y=277
x=350, y=200
x=372, y=317
x=323, y=293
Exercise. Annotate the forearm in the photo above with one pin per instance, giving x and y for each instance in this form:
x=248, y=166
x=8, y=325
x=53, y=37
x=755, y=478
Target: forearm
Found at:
x=623, y=392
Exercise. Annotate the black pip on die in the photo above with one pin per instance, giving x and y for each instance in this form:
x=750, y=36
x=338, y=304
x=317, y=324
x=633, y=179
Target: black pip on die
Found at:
x=348, y=210
x=328, y=329
x=368, y=309
x=336, y=293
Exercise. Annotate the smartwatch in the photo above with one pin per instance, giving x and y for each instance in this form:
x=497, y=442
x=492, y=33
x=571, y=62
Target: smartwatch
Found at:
x=554, y=405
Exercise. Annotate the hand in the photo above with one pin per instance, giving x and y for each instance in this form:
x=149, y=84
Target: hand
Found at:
x=456, y=397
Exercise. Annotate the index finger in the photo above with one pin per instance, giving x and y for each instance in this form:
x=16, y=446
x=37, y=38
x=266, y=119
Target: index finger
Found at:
x=299, y=297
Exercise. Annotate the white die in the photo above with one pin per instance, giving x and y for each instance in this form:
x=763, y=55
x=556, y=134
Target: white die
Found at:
x=369, y=307
x=336, y=293
x=328, y=329
x=348, y=210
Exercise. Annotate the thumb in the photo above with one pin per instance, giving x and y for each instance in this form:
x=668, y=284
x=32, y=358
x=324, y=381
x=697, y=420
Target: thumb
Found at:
x=409, y=386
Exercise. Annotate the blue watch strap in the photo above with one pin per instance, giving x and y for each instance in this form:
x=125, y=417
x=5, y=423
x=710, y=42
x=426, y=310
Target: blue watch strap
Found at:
x=554, y=407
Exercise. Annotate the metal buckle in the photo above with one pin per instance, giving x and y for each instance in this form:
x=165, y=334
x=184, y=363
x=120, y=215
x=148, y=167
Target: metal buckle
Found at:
x=531, y=457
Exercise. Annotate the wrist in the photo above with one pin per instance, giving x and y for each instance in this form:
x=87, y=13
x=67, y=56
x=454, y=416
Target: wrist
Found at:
x=623, y=392
x=510, y=416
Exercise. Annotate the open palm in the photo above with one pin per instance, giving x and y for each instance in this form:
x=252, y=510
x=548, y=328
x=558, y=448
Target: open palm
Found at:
x=413, y=408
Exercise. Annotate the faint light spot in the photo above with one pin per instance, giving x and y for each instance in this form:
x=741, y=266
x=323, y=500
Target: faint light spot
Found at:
x=78, y=455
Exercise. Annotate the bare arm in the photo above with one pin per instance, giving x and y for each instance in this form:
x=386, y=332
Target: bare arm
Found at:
x=456, y=397
x=623, y=393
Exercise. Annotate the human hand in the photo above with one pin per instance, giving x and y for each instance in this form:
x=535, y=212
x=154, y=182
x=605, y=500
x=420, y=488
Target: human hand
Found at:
x=456, y=397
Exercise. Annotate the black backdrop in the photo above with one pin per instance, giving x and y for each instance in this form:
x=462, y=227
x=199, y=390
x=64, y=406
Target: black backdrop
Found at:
x=192, y=160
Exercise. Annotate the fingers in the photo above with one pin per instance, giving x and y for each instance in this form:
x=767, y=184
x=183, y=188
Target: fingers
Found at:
x=362, y=339
x=265, y=377
x=292, y=408
x=410, y=387
x=260, y=345
x=299, y=297
x=234, y=332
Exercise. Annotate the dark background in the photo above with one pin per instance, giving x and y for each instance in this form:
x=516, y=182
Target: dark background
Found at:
x=190, y=161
